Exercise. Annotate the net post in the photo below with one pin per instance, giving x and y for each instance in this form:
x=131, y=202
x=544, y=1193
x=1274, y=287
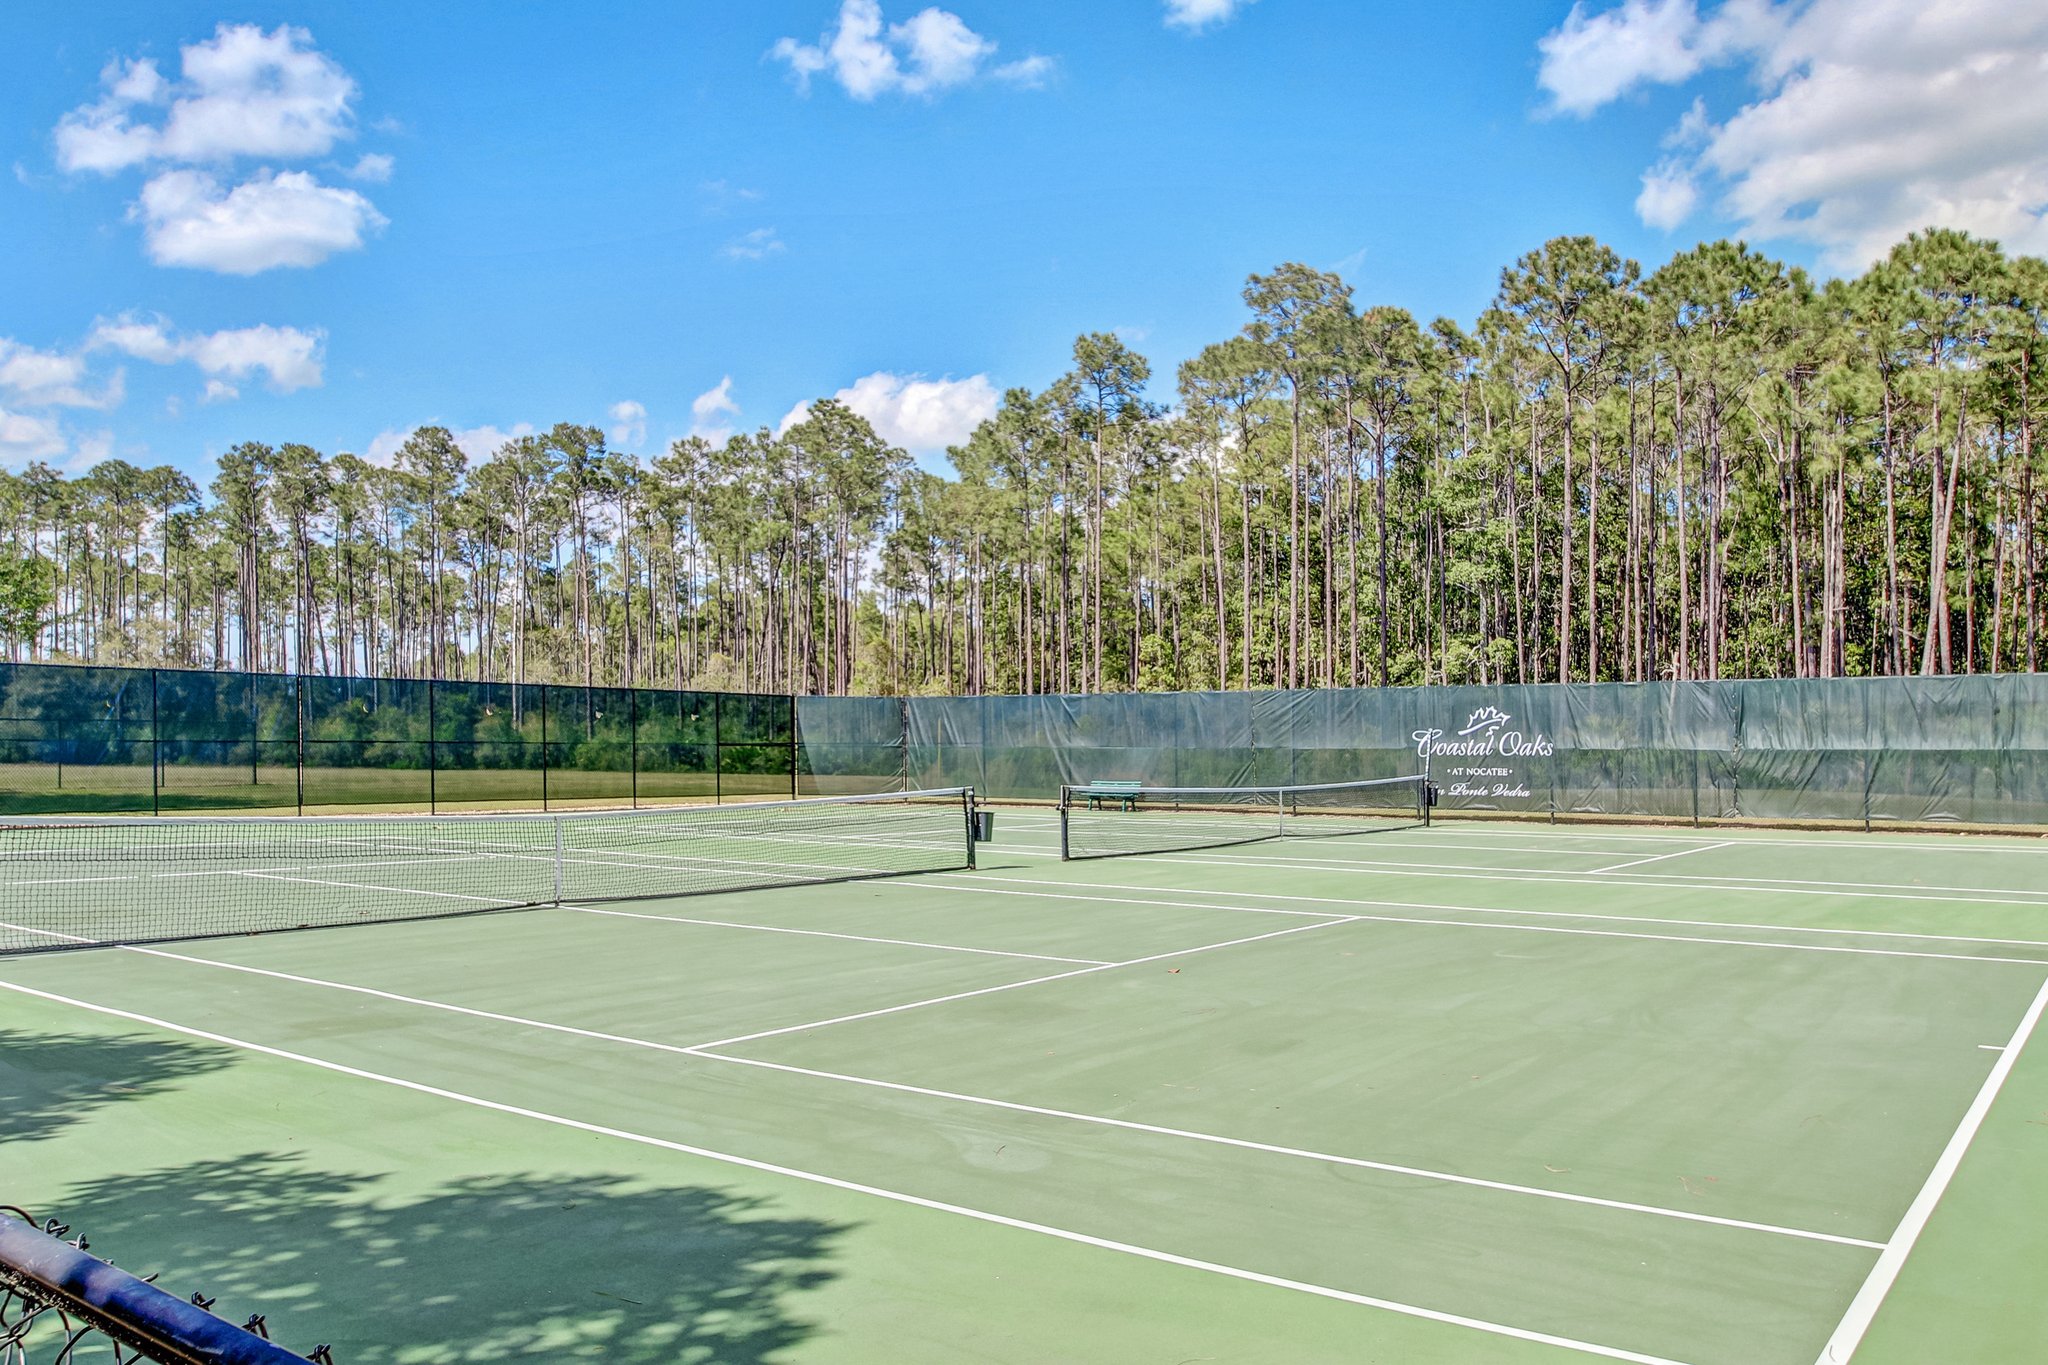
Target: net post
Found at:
x=558, y=859
x=967, y=802
x=1066, y=797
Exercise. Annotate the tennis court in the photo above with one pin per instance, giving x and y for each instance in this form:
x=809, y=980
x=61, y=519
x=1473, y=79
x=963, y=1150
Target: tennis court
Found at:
x=1472, y=1092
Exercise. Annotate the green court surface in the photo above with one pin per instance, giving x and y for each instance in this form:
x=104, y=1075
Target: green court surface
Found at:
x=1479, y=1092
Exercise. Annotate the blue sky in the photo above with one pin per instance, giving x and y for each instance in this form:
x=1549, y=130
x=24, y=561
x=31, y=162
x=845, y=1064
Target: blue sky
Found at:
x=330, y=223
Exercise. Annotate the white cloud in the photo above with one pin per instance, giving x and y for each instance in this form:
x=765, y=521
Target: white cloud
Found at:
x=1344, y=265
x=1196, y=15
x=720, y=196
x=757, y=245
x=1026, y=73
x=932, y=51
x=924, y=416
x=383, y=448
x=282, y=219
x=1870, y=118
x=943, y=51
x=291, y=358
x=372, y=168
x=24, y=437
x=100, y=136
x=244, y=92
x=89, y=449
x=51, y=379
x=712, y=402
x=142, y=337
x=1594, y=58
x=218, y=391
x=478, y=443
x=708, y=407
x=629, y=424
x=1669, y=195
x=288, y=357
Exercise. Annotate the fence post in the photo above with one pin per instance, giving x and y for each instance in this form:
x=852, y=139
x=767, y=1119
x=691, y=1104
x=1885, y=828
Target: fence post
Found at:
x=633, y=739
x=299, y=727
x=156, y=753
x=717, y=748
x=543, y=745
x=1869, y=778
x=1695, y=788
x=792, y=746
x=433, y=748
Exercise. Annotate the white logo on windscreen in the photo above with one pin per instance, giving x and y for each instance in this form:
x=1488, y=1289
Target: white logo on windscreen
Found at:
x=1485, y=720
x=1489, y=733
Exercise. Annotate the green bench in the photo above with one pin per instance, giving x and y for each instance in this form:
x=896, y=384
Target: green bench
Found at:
x=1125, y=794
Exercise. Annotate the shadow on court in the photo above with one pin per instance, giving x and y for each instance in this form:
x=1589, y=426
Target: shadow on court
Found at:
x=50, y=1080
x=488, y=1268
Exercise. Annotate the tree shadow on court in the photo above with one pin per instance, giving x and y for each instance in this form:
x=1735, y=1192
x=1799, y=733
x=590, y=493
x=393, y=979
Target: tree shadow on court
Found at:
x=50, y=1080
x=491, y=1267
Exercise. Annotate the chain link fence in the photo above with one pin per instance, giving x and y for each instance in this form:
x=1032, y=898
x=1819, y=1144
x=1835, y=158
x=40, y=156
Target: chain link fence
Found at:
x=76, y=739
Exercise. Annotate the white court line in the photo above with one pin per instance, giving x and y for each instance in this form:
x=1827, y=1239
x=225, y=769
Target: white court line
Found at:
x=52, y=933
x=592, y=910
x=424, y=857
x=2035, y=900
x=1533, y=929
x=1664, y=881
x=875, y=1191
x=1495, y=910
x=1848, y=1335
x=822, y=933
x=1013, y=985
x=1658, y=858
x=1847, y=839
x=1069, y=1115
x=498, y=901
x=1991, y=1047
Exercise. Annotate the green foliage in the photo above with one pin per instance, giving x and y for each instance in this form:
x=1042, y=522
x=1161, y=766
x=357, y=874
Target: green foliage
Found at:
x=1722, y=468
x=26, y=593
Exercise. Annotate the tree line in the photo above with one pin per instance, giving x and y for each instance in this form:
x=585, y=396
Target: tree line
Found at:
x=1723, y=468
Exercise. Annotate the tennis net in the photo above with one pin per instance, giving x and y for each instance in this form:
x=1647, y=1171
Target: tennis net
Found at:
x=1105, y=820
x=82, y=882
